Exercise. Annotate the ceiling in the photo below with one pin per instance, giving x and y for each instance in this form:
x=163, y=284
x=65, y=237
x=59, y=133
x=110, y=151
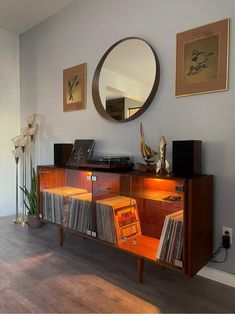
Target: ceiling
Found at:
x=20, y=15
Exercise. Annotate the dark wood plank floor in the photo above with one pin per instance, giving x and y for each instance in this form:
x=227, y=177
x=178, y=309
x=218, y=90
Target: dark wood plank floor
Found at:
x=36, y=275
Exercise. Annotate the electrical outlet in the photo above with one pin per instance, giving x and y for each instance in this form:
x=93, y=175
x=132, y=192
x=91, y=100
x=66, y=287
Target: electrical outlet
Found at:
x=230, y=231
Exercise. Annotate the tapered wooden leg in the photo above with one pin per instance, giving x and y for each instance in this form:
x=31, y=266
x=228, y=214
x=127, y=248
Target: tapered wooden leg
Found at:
x=60, y=232
x=140, y=269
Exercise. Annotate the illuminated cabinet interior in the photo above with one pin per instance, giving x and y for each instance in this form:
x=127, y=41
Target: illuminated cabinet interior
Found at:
x=167, y=220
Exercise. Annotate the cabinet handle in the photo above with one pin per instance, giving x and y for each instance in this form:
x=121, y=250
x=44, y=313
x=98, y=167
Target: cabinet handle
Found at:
x=134, y=241
x=92, y=178
x=44, y=171
x=179, y=188
x=124, y=239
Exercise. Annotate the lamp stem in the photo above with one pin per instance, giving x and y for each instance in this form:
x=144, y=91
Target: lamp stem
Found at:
x=24, y=179
x=30, y=157
x=17, y=219
x=24, y=185
x=17, y=203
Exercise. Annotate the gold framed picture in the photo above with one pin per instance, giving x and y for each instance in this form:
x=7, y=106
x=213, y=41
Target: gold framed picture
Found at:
x=202, y=59
x=74, y=87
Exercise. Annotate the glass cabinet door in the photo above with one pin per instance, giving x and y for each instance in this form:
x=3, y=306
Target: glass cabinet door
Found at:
x=51, y=203
x=115, y=209
x=160, y=203
x=60, y=194
x=78, y=201
x=139, y=214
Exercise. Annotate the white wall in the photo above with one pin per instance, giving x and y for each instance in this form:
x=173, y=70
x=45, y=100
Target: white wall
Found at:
x=82, y=33
x=9, y=117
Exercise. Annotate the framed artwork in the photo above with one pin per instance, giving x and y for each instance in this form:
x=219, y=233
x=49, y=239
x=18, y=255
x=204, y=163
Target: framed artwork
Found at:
x=74, y=87
x=202, y=59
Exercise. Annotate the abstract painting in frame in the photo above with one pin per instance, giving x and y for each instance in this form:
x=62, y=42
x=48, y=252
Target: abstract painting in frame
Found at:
x=74, y=87
x=202, y=59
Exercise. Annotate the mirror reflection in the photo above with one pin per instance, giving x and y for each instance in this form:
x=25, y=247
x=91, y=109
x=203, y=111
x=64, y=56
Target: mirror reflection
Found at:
x=126, y=77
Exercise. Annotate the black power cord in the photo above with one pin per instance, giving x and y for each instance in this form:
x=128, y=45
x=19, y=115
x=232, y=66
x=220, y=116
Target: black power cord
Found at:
x=225, y=244
x=217, y=252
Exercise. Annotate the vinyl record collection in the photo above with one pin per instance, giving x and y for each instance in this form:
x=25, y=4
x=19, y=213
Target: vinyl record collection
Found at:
x=55, y=203
x=114, y=219
x=111, y=219
x=81, y=213
x=170, y=248
x=117, y=218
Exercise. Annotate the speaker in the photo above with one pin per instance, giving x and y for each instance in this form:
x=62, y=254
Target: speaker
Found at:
x=62, y=153
x=187, y=158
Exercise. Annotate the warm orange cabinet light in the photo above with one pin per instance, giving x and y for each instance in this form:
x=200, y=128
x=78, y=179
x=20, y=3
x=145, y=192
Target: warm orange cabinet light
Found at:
x=167, y=220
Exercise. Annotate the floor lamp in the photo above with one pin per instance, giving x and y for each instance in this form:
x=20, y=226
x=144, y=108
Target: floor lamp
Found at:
x=29, y=120
x=32, y=132
x=23, y=144
x=17, y=152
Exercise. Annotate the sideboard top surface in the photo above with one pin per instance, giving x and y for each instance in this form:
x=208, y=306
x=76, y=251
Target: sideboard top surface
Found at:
x=132, y=172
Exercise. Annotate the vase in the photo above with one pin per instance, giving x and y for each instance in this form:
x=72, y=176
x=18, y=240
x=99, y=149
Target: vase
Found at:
x=34, y=222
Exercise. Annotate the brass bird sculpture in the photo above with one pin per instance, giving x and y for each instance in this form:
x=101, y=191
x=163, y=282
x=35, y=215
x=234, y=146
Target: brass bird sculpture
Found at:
x=147, y=152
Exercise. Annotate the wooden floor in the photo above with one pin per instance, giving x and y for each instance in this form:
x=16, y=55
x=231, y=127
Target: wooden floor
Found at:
x=36, y=275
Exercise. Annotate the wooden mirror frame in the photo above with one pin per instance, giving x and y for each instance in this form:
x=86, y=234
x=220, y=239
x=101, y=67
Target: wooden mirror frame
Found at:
x=95, y=84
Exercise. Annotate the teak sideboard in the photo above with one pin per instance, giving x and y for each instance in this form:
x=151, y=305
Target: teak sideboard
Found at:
x=165, y=219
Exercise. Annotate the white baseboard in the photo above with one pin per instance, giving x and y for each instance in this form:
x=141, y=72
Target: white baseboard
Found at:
x=217, y=275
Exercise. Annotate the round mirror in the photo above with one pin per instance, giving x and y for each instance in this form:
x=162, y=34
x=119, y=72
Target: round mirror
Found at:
x=126, y=80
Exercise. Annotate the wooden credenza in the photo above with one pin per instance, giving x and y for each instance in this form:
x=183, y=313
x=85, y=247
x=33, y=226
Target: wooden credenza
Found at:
x=165, y=219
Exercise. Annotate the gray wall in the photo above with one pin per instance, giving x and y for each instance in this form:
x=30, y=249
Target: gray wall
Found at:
x=9, y=117
x=82, y=33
